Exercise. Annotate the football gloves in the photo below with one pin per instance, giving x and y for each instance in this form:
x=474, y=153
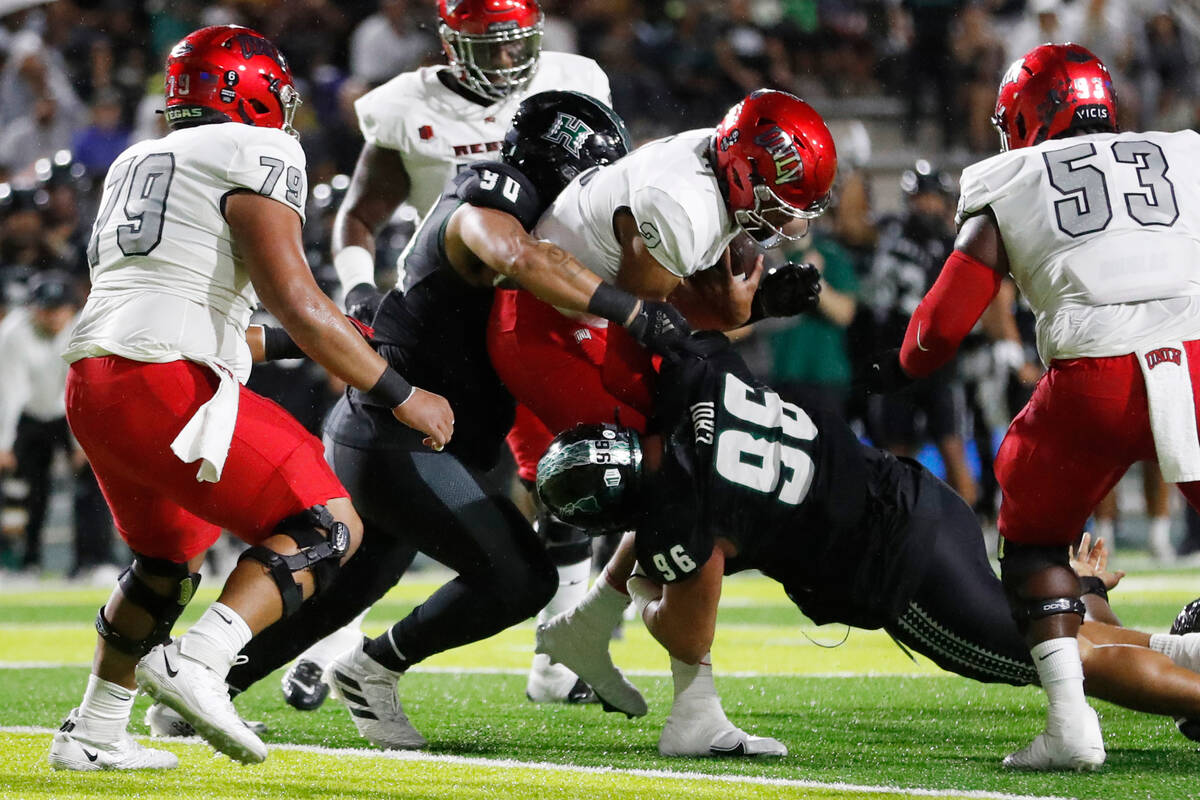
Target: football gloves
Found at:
x=362, y=301
x=883, y=374
x=661, y=329
x=787, y=290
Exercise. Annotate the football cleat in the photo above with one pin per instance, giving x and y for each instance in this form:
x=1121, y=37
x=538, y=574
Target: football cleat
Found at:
x=302, y=686
x=369, y=691
x=554, y=683
x=703, y=731
x=1188, y=621
x=74, y=748
x=1079, y=747
x=165, y=722
x=200, y=696
x=568, y=639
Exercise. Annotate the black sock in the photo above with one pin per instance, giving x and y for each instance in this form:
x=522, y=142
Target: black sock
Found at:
x=384, y=650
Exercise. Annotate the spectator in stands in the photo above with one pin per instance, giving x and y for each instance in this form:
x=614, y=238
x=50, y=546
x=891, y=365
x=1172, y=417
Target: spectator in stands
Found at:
x=749, y=55
x=33, y=422
x=930, y=64
x=38, y=134
x=390, y=42
x=979, y=61
x=97, y=145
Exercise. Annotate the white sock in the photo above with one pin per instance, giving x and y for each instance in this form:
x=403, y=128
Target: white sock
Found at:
x=603, y=605
x=323, y=653
x=1183, y=649
x=1159, y=536
x=1105, y=529
x=572, y=586
x=693, y=682
x=106, y=706
x=216, y=639
x=1060, y=671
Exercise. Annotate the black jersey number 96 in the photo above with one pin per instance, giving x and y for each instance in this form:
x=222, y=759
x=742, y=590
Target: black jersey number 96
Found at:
x=774, y=459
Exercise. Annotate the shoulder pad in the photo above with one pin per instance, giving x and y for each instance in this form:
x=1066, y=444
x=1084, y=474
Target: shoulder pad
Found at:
x=494, y=184
x=984, y=182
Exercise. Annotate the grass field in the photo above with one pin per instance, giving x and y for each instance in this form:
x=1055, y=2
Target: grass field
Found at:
x=861, y=720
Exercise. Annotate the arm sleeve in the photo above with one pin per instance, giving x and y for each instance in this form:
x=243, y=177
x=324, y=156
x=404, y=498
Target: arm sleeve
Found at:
x=670, y=235
x=949, y=310
x=270, y=163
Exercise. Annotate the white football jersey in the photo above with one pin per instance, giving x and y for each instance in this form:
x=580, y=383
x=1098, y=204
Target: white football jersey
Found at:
x=1103, y=237
x=672, y=192
x=438, y=131
x=166, y=281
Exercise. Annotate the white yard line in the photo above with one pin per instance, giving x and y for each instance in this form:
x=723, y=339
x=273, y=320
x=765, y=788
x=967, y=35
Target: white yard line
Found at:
x=546, y=766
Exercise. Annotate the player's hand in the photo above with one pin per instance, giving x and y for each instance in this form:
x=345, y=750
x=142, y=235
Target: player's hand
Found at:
x=660, y=328
x=428, y=413
x=883, y=374
x=787, y=290
x=1092, y=560
x=8, y=460
x=362, y=302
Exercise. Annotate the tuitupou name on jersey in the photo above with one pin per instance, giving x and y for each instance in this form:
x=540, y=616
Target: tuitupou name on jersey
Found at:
x=704, y=416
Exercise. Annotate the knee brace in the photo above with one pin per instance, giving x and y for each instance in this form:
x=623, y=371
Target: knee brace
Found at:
x=565, y=544
x=165, y=609
x=1018, y=562
x=322, y=541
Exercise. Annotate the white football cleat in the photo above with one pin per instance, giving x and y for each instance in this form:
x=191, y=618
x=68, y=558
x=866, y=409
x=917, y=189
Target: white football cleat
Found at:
x=554, y=683
x=74, y=748
x=1078, y=746
x=165, y=722
x=705, y=732
x=369, y=691
x=200, y=696
x=569, y=640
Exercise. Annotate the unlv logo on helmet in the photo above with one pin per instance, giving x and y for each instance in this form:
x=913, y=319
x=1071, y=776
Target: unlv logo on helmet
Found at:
x=788, y=166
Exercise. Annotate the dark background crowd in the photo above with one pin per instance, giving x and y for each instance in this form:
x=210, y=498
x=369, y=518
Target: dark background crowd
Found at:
x=908, y=87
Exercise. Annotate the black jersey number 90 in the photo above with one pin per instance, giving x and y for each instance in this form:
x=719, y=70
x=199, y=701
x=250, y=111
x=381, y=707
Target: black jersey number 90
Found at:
x=776, y=463
x=1086, y=207
x=149, y=184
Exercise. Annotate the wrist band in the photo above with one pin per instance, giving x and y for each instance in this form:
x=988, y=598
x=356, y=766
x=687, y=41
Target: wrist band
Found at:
x=1090, y=584
x=278, y=343
x=390, y=390
x=354, y=265
x=616, y=305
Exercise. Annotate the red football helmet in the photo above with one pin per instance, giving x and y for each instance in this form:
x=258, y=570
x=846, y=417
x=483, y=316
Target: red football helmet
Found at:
x=492, y=44
x=227, y=73
x=1050, y=90
x=776, y=161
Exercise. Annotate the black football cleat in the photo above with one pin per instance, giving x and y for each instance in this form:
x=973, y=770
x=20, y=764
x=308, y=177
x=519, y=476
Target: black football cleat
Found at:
x=302, y=686
x=1188, y=621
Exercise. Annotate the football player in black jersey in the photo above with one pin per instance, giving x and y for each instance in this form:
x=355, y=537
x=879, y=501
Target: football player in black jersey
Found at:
x=735, y=478
x=438, y=503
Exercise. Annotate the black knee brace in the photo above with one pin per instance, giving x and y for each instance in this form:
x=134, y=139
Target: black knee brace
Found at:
x=165, y=609
x=1017, y=563
x=322, y=541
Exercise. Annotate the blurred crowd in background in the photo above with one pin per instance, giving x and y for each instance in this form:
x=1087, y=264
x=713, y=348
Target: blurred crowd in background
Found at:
x=908, y=87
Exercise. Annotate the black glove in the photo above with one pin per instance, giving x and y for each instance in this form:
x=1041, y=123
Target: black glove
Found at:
x=786, y=290
x=362, y=302
x=883, y=374
x=661, y=329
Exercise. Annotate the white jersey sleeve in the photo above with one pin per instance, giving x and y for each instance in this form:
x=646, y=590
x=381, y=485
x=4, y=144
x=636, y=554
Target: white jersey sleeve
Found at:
x=272, y=166
x=1100, y=231
x=678, y=240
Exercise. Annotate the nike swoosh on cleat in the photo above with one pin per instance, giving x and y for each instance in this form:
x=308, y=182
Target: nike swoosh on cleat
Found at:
x=171, y=672
x=1043, y=658
x=228, y=621
x=738, y=749
x=90, y=756
x=920, y=346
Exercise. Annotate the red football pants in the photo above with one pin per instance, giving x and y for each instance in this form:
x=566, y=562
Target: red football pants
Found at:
x=555, y=368
x=125, y=415
x=1086, y=424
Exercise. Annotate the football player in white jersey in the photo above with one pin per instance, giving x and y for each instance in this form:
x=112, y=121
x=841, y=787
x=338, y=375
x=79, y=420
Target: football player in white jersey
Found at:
x=1101, y=232
x=190, y=227
x=655, y=223
x=421, y=128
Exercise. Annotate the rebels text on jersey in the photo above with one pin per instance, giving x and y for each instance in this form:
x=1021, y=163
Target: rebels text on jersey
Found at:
x=797, y=494
x=439, y=130
x=167, y=281
x=1102, y=234
x=433, y=328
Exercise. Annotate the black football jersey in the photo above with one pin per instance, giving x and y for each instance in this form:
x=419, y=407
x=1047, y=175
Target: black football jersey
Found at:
x=801, y=498
x=434, y=331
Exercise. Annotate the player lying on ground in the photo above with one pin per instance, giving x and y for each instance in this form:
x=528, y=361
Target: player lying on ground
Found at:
x=734, y=479
x=190, y=227
x=440, y=503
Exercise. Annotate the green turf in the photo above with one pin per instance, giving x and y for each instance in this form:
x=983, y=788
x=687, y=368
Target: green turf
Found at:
x=928, y=730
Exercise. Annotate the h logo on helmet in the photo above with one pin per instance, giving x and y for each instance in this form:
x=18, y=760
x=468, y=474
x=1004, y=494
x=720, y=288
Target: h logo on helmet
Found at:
x=781, y=146
x=568, y=131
